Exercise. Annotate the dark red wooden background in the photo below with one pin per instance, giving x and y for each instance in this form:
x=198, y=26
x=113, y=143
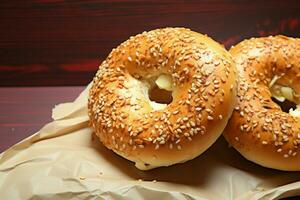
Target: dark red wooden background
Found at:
x=57, y=42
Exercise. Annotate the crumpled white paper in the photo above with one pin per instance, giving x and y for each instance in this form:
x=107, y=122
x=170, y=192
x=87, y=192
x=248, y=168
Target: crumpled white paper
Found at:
x=61, y=161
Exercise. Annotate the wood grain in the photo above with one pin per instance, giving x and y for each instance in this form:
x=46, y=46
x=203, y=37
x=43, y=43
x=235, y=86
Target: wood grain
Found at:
x=23, y=111
x=57, y=42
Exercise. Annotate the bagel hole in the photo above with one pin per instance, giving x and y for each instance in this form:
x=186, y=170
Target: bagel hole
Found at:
x=159, y=95
x=286, y=105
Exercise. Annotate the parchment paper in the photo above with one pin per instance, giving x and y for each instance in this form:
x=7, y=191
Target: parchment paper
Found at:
x=61, y=161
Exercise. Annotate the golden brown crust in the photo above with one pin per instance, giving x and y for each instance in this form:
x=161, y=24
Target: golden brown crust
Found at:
x=258, y=128
x=204, y=78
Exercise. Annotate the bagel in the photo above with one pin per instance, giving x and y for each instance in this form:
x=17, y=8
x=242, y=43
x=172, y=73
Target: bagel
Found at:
x=259, y=129
x=163, y=97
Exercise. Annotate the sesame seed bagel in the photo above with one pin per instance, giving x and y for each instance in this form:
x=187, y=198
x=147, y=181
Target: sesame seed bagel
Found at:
x=259, y=129
x=199, y=74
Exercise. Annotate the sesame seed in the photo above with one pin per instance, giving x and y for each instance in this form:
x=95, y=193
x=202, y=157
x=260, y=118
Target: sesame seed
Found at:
x=208, y=110
x=242, y=128
x=279, y=150
x=198, y=109
x=186, y=134
x=210, y=117
x=162, y=142
x=156, y=146
x=175, y=112
x=185, y=119
x=192, y=123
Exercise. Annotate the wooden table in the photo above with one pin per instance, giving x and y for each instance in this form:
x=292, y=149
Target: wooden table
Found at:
x=23, y=111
